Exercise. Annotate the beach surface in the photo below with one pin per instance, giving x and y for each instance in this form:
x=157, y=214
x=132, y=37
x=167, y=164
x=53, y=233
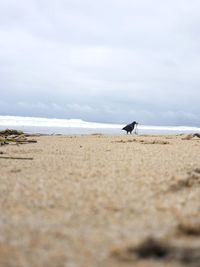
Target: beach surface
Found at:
x=100, y=201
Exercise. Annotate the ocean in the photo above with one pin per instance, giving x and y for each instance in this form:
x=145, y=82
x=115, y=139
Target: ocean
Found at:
x=77, y=126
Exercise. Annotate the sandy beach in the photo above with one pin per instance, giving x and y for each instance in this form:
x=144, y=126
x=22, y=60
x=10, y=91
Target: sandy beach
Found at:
x=100, y=201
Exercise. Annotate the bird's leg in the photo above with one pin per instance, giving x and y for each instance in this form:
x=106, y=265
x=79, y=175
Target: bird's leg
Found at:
x=136, y=130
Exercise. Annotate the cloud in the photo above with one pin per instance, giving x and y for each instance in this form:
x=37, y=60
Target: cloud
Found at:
x=101, y=60
x=80, y=108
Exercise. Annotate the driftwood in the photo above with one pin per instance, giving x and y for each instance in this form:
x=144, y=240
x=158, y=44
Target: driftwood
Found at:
x=14, y=137
x=26, y=141
x=19, y=158
x=8, y=132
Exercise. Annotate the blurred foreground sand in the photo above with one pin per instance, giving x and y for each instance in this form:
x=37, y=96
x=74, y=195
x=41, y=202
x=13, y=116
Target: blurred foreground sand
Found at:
x=90, y=200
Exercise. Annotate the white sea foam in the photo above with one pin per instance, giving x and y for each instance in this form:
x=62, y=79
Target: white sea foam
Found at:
x=46, y=125
x=45, y=122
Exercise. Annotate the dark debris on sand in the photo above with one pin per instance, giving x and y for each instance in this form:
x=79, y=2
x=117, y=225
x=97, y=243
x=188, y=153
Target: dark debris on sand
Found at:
x=189, y=227
x=14, y=137
x=157, y=142
x=8, y=132
x=159, y=250
x=191, y=179
x=190, y=136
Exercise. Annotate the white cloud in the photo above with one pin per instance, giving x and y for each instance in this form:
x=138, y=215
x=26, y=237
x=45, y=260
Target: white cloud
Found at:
x=37, y=105
x=79, y=108
x=108, y=60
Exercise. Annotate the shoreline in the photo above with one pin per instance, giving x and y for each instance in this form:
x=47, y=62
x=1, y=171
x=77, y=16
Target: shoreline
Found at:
x=80, y=132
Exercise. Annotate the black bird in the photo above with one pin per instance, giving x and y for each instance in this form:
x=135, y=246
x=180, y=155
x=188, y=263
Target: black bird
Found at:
x=130, y=127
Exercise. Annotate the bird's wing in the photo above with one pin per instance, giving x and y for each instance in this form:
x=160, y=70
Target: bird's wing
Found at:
x=127, y=128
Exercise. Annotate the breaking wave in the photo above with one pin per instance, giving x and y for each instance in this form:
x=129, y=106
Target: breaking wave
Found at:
x=66, y=126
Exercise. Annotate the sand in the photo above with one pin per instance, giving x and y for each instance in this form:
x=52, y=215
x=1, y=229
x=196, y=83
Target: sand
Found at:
x=101, y=201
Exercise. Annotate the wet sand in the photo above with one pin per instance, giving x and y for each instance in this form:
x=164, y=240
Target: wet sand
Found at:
x=100, y=201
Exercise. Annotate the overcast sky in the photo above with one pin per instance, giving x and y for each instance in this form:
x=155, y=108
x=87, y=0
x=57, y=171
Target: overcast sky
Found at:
x=106, y=61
